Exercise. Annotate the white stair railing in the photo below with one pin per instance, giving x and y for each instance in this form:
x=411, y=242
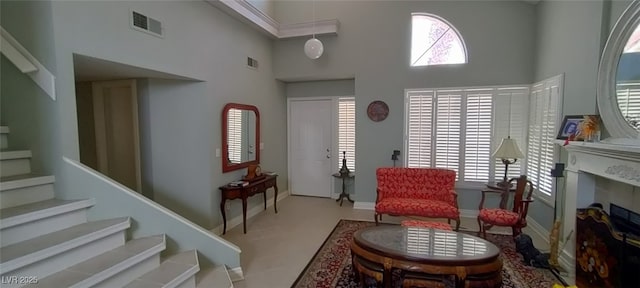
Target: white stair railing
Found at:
x=26, y=63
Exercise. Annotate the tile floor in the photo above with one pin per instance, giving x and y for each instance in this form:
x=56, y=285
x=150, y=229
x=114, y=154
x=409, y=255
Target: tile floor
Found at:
x=278, y=246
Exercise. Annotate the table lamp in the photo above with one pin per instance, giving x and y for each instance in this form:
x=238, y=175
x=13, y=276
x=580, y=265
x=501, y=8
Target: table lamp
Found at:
x=507, y=150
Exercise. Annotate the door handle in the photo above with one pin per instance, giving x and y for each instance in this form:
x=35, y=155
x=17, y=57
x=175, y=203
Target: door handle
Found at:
x=328, y=156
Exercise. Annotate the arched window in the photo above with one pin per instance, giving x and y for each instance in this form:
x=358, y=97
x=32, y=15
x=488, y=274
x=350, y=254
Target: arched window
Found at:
x=434, y=41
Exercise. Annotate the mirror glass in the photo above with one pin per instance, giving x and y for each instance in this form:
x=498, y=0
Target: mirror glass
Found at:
x=619, y=79
x=628, y=80
x=240, y=136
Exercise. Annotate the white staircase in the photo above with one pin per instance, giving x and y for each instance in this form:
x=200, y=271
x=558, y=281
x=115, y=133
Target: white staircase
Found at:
x=48, y=242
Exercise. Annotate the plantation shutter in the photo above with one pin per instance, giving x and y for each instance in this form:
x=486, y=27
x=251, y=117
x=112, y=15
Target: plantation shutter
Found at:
x=234, y=135
x=544, y=110
x=347, y=131
x=510, y=120
x=448, y=114
x=478, y=151
x=419, y=128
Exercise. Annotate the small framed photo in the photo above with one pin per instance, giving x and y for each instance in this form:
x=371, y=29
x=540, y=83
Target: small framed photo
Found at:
x=569, y=126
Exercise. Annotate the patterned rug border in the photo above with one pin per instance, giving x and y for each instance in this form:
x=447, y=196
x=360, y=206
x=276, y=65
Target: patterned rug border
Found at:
x=338, y=224
x=320, y=249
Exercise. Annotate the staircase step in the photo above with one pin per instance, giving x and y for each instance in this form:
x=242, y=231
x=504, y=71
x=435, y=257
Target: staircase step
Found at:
x=176, y=271
x=110, y=269
x=27, y=221
x=15, y=162
x=4, y=137
x=50, y=253
x=24, y=189
x=216, y=277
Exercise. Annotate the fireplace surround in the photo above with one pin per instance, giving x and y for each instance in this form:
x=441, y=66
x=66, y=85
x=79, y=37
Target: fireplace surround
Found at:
x=590, y=164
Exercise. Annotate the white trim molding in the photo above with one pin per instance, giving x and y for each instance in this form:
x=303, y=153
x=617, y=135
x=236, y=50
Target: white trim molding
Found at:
x=364, y=205
x=328, y=27
x=27, y=63
x=245, y=11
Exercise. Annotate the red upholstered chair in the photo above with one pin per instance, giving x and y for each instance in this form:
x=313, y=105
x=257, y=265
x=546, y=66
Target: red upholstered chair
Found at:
x=424, y=192
x=516, y=218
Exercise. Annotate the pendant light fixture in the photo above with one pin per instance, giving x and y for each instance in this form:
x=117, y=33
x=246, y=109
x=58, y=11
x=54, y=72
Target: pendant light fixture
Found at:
x=313, y=48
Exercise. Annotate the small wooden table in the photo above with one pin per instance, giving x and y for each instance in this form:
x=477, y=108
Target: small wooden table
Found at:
x=425, y=257
x=344, y=194
x=236, y=192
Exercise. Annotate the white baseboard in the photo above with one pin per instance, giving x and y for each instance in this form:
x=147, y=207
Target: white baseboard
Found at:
x=536, y=228
x=235, y=274
x=235, y=221
x=364, y=205
x=468, y=213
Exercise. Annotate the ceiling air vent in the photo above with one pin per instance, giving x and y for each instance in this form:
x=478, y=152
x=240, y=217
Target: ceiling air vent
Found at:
x=252, y=63
x=146, y=24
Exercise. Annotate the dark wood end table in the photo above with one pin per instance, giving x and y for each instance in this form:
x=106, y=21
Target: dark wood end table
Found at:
x=344, y=194
x=230, y=192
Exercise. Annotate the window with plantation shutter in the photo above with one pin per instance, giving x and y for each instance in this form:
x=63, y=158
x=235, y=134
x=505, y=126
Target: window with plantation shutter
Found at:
x=448, y=120
x=419, y=127
x=628, y=94
x=347, y=131
x=544, y=117
x=234, y=135
x=459, y=129
x=478, y=151
x=510, y=120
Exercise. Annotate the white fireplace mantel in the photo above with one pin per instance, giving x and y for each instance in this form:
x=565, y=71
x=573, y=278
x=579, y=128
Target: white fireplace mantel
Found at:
x=586, y=161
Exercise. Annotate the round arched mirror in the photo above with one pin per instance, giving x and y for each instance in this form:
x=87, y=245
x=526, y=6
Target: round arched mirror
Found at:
x=619, y=76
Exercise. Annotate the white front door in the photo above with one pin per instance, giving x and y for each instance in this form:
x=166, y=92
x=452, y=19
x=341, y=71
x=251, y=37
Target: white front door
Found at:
x=310, y=131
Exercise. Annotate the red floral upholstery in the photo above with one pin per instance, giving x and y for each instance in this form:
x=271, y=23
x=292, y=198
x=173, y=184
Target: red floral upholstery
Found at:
x=499, y=217
x=515, y=218
x=426, y=224
x=426, y=192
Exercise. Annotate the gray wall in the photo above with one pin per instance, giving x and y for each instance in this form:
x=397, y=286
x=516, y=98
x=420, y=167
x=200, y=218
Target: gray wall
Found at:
x=210, y=46
x=28, y=111
x=570, y=37
x=373, y=47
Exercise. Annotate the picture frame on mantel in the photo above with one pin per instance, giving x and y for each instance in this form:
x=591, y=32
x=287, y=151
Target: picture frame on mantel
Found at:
x=569, y=126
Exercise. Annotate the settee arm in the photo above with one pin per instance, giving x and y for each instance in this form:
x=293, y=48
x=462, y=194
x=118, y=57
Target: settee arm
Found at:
x=379, y=194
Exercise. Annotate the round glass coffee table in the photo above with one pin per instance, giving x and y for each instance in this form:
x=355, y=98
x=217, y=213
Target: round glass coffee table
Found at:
x=411, y=256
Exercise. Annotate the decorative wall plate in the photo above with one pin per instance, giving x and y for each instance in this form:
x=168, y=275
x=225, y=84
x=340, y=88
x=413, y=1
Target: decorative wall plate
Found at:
x=377, y=111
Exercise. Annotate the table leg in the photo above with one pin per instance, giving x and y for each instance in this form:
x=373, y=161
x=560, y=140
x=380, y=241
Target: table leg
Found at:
x=264, y=194
x=275, y=197
x=224, y=215
x=244, y=214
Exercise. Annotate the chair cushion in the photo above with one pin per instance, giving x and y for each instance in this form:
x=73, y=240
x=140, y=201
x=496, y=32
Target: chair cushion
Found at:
x=417, y=207
x=498, y=217
x=426, y=224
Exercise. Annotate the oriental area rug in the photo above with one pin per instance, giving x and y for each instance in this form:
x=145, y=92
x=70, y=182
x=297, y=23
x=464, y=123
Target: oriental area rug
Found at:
x=331, y=266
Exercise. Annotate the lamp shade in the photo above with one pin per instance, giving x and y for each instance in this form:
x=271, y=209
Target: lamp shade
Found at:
x=313, y=48
x=508, y=149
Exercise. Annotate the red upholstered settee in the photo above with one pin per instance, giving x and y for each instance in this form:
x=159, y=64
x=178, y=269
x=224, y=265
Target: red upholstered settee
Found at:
x=425, y=192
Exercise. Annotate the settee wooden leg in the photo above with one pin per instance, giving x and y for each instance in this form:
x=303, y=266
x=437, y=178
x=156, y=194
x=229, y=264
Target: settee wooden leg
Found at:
x=376, y=218
x=457, y=224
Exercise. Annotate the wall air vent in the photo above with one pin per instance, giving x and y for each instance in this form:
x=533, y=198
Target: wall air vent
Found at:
x=252, y=63
x=146, y=24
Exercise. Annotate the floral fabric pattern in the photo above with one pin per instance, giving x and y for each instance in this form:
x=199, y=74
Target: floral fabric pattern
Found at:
x=426, y=224
x=427, y=192
x=499, y=217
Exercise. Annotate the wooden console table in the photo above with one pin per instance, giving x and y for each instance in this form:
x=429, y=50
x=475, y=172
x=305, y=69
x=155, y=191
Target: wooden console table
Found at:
x=236, y=192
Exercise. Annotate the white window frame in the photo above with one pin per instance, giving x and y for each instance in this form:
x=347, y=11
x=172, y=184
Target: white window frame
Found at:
x=496, y=91
x=351, y=157
x=553, y=86
x=451, y=27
